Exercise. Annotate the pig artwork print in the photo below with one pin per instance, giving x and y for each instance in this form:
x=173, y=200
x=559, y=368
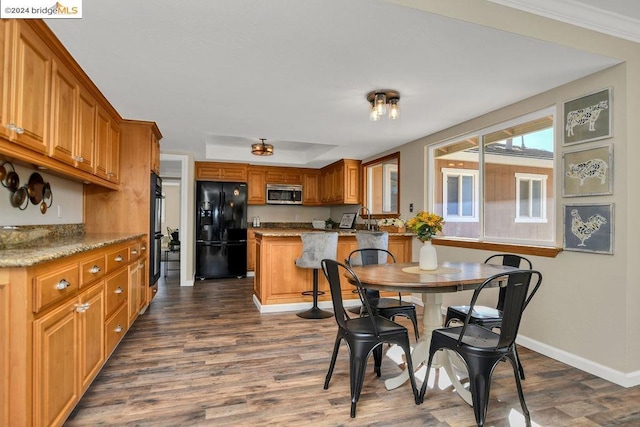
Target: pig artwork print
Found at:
x=588, y=172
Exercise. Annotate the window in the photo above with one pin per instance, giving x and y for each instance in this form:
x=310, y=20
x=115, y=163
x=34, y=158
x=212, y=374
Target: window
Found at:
x=460, y=195
x=531, y=200
x=496, y=184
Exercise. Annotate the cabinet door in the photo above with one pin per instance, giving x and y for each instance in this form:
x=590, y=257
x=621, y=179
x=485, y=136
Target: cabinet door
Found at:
x=155, y=154
x=86, y=127
x=114, y=153
x=55, y=355
x=134, y=292
x=5, y=77
x=64, y=97
x=142, y=283
x=251, y=250
x=310, y=188
x=103, y=128
x=256, y=187
x=91, y=322
x=4, y=346
x=30, y=89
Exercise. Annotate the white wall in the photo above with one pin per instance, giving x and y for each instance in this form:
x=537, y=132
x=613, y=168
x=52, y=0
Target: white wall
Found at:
x=67, y=199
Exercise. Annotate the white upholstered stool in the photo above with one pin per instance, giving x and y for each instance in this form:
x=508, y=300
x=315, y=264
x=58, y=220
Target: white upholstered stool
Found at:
x=316, y=247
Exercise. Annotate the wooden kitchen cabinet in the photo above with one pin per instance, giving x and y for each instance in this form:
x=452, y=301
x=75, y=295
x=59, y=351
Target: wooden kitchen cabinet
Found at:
x=251, y=250
x=340, y=183
x=155, y=154
x=216, y=171
x=69, y=352
x=26, y=106
x=311, y=187
x=63, y=318
x=256, y=186
x=283, y=175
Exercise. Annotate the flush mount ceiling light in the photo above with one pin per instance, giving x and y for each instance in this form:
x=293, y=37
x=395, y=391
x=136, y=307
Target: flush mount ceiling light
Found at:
x=382, y=101
x=261, y=149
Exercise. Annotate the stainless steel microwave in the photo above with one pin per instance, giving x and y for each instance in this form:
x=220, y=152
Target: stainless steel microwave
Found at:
x=284, y=194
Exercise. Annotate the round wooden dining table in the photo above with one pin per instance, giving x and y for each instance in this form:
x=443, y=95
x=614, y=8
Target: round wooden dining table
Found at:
x=408, y=277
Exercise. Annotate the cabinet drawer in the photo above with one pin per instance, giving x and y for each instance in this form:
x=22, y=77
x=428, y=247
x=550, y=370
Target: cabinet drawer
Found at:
x=92, y=269
x=55, y=285
x=115, y=328
x=117, y=258
x=117, y=290
x=134, y=251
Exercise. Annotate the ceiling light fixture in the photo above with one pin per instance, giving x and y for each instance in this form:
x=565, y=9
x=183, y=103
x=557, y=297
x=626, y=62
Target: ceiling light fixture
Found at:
x=261, y=149
x=382, y=101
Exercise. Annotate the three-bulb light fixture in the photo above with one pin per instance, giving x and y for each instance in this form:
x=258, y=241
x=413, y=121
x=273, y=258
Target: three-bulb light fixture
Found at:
x=261, y=148
x=382, y=101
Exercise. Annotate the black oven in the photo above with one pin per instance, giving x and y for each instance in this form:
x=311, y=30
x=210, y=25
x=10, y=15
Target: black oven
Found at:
x=155, y=232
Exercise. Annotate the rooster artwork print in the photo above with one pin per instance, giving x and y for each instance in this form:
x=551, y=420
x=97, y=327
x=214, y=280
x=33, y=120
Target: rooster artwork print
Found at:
x=584, y=229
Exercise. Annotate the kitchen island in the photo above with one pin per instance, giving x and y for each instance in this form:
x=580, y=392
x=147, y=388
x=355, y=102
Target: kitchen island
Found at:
x=278, y=283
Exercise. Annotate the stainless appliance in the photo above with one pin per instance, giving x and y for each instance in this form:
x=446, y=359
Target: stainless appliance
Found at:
x=284, y=194
x=221, y=229
x=155, y=232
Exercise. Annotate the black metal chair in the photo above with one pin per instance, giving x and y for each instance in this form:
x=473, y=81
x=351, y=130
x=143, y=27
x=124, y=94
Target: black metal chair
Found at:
x=487, y=316
x=363, y=335
x=480, y=348
x=385, y=307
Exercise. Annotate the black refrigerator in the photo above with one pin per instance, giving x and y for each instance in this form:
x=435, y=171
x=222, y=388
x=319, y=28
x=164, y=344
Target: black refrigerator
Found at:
x=221, y=229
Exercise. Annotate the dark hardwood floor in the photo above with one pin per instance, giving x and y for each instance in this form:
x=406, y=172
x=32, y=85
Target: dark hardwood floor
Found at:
x=204, y=356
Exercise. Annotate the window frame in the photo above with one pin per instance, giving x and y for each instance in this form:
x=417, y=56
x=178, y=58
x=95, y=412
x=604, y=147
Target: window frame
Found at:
x=531, y=177
x=446, y=172
x=546, y=246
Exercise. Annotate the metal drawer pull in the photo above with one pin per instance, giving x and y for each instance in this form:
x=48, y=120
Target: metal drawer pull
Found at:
x=118, y=329
x=62, y=285
x=119, y=290
x=119, y=258
x=144, y=248
x=95, y=269
x=134, y=251
x=82, y=307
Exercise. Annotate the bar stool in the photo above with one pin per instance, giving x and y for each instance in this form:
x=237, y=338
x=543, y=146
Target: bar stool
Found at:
x=316, y=247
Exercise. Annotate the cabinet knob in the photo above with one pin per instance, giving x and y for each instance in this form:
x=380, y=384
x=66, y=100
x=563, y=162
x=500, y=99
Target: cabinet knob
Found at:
x=118, y=329
x=119, y=290
x=134, y=251
x=143, y=248
x=62, y=285
x=82, y=307
x=119, y=258
x=95, y=269
x=18, y=130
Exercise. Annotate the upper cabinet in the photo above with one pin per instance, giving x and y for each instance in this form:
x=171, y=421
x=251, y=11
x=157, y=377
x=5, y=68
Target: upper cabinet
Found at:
x=26, y=110
x=214, y=171
x=52, y=115
x=311, y=187
x=277, y=175
x=340, y=183
x=256, y=186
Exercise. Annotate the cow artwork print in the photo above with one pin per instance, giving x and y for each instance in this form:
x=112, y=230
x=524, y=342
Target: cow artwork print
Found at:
x=585, y=115
x=592, y=168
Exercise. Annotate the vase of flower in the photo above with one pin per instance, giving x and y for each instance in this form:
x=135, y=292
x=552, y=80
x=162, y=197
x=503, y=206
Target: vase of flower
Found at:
x=428, y=256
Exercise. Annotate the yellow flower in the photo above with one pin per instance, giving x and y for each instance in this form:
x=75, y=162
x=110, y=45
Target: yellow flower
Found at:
x=425, y=224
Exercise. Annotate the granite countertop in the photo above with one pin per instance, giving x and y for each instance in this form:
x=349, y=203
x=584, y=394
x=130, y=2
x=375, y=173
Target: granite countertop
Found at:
x=54, y=248
x=298, y=232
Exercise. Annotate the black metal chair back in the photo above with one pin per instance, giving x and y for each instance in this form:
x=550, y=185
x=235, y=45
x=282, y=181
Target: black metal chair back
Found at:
x=510, y=260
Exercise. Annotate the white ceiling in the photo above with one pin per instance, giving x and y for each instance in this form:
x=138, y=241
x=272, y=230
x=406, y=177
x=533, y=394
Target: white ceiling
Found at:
x=218, y=75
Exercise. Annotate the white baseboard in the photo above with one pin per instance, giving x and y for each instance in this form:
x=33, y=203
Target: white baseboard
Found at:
x=631, y=379
x=281, y=308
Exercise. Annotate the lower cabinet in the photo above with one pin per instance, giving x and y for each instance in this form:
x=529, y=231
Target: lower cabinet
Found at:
x=66, y=317
x=68, y=354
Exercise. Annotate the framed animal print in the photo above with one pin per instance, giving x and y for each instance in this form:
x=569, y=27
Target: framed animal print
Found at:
x=589, y=228
x=588, y=172
x=587, y=118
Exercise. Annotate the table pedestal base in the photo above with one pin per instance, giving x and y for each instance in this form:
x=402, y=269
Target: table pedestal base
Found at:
x=431, y=319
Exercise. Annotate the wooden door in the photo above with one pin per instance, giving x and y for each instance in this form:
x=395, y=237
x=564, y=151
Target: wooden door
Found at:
x=103, y=127
x=256, y=187
x=113, y=153
x=5, y=77
x=134, y=292
x=311, y=188
x=91, y=323
x=64, y=104
x=56, y=384
x=30, y=89
x=86, y=128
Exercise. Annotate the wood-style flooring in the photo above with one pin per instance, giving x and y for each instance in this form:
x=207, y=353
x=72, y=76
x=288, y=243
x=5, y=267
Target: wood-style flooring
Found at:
x=204, y=356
